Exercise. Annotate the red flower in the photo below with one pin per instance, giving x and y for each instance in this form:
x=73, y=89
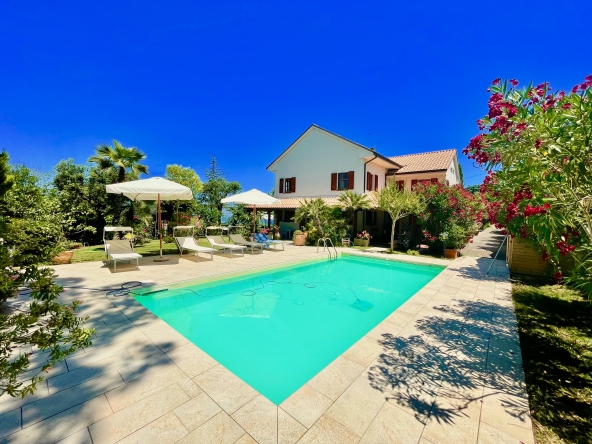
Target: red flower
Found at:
x=558, y=277
x=538, y=143
x=588, y=78
x=545, y=256
x=514, y=82
x=575, y=89
x=496, y=81
x=566, y=106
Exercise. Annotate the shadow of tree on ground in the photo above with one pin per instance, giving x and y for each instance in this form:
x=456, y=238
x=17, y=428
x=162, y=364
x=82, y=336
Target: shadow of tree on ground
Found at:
x=462, y=353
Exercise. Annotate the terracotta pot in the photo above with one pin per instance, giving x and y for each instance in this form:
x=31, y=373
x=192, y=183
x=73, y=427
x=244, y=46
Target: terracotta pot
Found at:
x=299, y=240
x=63, y=258
x=361, y=242
x=450, y=253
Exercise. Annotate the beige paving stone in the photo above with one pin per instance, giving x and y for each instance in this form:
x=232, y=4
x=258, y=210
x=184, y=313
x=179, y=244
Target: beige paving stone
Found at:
x=10, y=422
x=508, y=413
x=453, y=420
x=166, y=429
x=56, y=370
x=400, y=318
x=197, y=411
x=384, y=330
x=154, y=380
x=60, y=401
x=259, y=418
x=411, y=307
x=221, y=429
x=191, y=359
x=306, y=405
x=328, y=431
x=83, y=374
x=146, y=366
x=245, y=439
x=289, y=430
x=95, y=355
x=364, y=351
x=8, y=403
x=358, y=405
x=491, y=435
x=128, y=420
x=190, y=387
x=64, y=424
x=334, y=379
x=225, y=388
x=80, y=437
x=394, y=426
x=166, y=338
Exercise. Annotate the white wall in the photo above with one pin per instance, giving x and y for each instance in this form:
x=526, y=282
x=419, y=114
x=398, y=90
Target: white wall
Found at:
x=377, y=169
x=453, y=174
x=312, y=160
x=440, y=175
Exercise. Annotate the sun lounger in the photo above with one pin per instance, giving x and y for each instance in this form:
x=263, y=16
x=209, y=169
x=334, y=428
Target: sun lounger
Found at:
x=240, y=240
x=120, y=250
x=189, y=244
x=262, y=238
x=219, y=243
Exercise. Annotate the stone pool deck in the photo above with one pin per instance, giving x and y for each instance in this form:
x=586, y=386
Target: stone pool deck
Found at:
x=443, y=368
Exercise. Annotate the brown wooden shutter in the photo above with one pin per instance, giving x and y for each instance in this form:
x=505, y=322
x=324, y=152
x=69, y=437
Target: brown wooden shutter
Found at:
x=376, y=182
x=400, y=185
x=293, y=187
x=333, y=181
x=433, y=180
x=281, y=185
x=350, y=180
x=413, y=184
x=369, y=181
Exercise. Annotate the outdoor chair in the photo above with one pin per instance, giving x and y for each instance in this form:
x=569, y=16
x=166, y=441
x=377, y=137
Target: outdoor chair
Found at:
x=263, y=239
x=219, y=243
x=238, y=239
x=189, y=244
x=120, y=250
x=346, y=242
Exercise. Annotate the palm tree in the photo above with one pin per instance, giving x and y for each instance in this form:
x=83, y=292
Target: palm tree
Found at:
x=351, y=202
x=120, y=158
x=315, y=210
x=399, y=204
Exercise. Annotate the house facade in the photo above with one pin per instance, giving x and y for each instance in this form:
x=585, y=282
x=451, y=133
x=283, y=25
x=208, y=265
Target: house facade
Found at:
x=320, y=163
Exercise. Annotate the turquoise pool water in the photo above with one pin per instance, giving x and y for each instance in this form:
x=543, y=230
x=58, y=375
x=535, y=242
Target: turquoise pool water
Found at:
x=277, y=329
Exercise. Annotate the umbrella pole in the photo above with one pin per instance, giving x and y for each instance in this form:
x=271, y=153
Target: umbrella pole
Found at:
x=159, y=223
x=254, y=219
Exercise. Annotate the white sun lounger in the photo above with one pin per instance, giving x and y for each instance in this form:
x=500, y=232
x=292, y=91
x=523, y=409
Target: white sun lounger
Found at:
x=218, y=242
x=238, y=239
x=120, y=250
x=189, y=244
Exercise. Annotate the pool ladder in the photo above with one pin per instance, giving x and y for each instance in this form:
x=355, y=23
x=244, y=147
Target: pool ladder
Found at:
x=327, y=245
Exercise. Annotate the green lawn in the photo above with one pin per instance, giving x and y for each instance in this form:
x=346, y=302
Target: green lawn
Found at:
x=555, y=326
x=97, y=252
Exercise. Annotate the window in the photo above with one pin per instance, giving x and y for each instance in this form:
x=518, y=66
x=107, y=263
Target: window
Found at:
x=288, y=185
x=342, y=181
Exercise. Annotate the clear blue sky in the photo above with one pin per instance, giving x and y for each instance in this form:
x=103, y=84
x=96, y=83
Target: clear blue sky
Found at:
x=242, y=79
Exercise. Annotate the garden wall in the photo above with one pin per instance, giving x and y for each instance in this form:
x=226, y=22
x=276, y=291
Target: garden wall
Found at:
x=524, y=259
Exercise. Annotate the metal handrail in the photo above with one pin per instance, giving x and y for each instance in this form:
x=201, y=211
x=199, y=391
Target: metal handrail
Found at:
x=325, y=246
x=495, y=257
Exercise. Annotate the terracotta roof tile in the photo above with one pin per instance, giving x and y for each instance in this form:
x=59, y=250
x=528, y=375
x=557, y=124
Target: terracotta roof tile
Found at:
x=435, y=160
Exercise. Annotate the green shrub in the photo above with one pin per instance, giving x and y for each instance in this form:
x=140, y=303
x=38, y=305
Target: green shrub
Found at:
x=413, y=252
x=33, y=241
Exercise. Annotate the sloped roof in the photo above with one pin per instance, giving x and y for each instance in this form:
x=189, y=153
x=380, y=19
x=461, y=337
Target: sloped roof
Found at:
x=292, y=203
x=314, y=125
x=432, y=161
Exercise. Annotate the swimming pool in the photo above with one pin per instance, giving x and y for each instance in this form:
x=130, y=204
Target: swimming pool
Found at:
x=276, y=329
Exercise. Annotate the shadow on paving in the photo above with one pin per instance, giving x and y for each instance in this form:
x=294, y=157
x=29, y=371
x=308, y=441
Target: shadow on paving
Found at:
x=440, y=371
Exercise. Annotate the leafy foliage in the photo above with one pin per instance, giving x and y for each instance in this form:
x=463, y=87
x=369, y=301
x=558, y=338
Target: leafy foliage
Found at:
x=188, y=177
x=44, y=324
x=214, y=190
x=121, y=159
x=399, y=204
x=321, y=221
x=536, y=147
x=352, y=202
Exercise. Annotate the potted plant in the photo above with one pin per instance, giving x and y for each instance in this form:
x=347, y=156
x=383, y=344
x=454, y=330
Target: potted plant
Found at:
x=454, y=240
x=299, y=238
x=362, y=239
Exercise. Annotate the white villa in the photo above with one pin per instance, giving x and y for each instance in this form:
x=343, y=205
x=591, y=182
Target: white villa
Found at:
x=322, y=164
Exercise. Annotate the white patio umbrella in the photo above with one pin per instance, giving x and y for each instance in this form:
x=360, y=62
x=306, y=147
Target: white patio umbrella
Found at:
x=253, y=197
x=155, y=188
